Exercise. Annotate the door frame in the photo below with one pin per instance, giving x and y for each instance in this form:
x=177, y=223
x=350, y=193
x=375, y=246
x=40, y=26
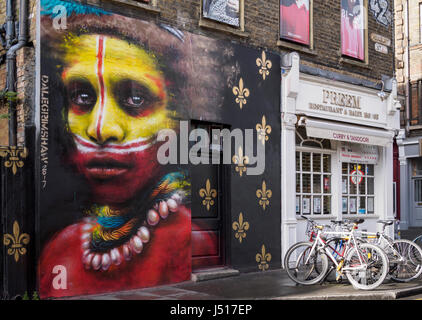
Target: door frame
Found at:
x=224, y=202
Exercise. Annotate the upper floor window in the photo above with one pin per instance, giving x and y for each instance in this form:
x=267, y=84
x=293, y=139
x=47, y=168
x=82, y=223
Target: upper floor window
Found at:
x=353, y=29
x=225, y=11
x=295, y=21
x=420, y=22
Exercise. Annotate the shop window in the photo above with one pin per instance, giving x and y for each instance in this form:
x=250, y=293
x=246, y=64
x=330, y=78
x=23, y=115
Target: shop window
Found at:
x=313, y=175
x=358, y=188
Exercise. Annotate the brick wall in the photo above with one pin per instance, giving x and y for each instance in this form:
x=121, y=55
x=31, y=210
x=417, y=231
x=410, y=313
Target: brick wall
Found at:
x=25, y=59
x=261, y=30
x=409, y=44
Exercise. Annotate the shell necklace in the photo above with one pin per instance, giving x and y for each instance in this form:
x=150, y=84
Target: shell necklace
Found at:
x=102, y=261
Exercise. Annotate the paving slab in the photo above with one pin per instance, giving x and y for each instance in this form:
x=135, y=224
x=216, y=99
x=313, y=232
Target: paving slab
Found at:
x=268, y=285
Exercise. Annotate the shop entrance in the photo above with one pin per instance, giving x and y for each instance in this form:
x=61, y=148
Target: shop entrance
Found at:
x=208, y=204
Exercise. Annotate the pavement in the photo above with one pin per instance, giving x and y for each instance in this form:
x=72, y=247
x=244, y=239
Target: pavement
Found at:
x=266, y=285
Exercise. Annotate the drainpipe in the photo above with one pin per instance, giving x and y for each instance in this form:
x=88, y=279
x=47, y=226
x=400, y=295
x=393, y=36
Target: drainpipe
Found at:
x=11, y=64
x=407, y=124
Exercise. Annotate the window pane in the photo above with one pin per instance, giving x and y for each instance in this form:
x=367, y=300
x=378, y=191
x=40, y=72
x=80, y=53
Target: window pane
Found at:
x=306, y=204
x=370, y=205
x=418, y=190
x=327, y=184
x=316, y=162
x=298, y=204
x=352, y=189
x=297, y=161
x=298, y=182
x=370, y=169
x=362, y=205
x=344, y=168
x=362, y=186
x=326, y=163
x=327, y=204
x=352, y=205
x=306, y=161
x=306, y=183
x=370, y=185
x=317, y=205
x=344, y=182
x=344, y=204
x=317, y=183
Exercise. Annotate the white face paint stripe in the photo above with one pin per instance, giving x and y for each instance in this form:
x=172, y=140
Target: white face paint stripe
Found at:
x=137, y=145
x=101, y=45
x=84, y=149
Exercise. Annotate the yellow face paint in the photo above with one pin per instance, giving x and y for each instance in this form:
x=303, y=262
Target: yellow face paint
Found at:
x=117, y=92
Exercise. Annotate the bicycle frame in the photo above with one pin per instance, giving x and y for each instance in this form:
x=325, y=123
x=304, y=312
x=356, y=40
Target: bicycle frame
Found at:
x=383, y=239
x=351, y=244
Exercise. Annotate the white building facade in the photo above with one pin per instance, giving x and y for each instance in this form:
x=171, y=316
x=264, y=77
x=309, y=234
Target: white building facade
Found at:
x=337, y=151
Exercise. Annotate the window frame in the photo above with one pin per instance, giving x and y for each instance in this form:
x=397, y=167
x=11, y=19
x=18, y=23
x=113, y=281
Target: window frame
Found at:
x=312, y=195
x=210, y=23
x=291, y=44
x=348, y=195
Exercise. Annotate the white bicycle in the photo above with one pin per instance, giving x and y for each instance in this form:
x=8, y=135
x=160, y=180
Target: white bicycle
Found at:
x=364, y=264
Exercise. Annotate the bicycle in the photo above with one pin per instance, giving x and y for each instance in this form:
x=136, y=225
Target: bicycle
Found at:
x=405, y=256
x=365, y=265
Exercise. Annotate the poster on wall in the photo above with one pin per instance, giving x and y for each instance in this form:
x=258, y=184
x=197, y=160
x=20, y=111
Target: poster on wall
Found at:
x=306, y=205
x=294, y=20
x=226, y=11
x=109, y=211
x=352, y=29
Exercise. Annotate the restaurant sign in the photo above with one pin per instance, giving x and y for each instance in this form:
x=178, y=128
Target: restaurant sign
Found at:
x=358, y=153
x=338, y=103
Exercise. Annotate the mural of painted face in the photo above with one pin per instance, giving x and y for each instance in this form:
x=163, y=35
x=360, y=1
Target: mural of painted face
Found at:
x=117, y=104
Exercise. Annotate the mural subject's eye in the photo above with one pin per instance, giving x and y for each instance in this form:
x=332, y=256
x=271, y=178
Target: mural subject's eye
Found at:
x=82, y=96
x=134, y=98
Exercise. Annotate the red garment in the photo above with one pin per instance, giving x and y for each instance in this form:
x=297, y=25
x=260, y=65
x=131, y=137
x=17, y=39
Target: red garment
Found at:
x=351, y=39
x=294, y=24
x=165, y=259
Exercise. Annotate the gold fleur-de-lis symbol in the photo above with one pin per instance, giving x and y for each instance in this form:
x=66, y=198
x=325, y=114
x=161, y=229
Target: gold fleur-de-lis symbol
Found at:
x=240, y=161
x=241, y=227
x=13, y=157
x=208, y=194
x=16, y=242
x=241, y=93
x=264, y=65
x=263, y=258
x=264, y=195
x=263, y=130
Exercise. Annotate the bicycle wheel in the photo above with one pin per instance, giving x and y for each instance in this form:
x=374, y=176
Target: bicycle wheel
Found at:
x=408, y=265
x=304, y=265
x=366, y=266
x=418, y=240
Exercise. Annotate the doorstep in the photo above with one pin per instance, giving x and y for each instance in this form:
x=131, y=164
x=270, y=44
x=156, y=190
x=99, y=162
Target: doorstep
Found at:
x=213, y=273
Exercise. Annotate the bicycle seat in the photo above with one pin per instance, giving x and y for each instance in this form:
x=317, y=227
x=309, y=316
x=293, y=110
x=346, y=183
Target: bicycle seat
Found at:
x=339, y=222
x=386, y=222
x=358, y=221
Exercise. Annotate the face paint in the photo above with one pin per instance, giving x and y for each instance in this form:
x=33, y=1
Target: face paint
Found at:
x=117, y=105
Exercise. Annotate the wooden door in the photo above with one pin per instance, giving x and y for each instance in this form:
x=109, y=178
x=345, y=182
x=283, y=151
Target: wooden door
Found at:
x=208, y=248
